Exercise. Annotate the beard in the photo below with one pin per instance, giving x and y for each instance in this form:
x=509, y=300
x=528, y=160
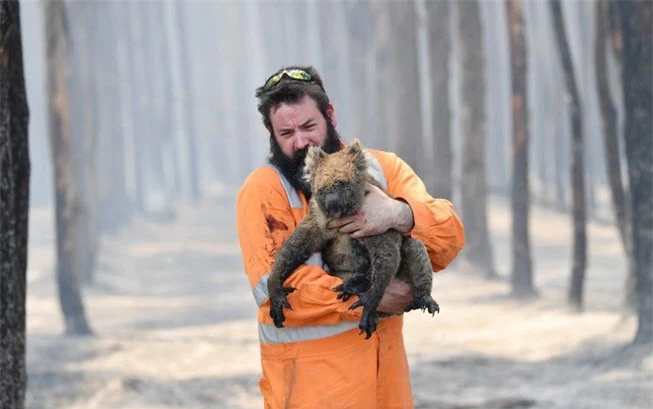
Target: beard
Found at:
x=292, y=167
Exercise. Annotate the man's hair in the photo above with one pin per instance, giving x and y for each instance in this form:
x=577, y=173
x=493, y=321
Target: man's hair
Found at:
x=289, y=90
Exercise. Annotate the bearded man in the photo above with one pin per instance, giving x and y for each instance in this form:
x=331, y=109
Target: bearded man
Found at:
x=319, y=359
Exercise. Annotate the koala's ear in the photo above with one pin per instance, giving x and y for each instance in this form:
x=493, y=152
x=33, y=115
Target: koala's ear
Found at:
x=355, y=149
x=313, y=157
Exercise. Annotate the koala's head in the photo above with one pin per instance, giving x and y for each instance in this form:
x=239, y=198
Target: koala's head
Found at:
x=338, y=179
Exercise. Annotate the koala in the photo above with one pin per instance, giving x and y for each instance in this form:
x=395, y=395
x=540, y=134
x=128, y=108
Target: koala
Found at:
x=366, y=265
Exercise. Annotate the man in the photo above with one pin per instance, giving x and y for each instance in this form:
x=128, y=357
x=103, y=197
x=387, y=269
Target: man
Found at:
x=319, y=360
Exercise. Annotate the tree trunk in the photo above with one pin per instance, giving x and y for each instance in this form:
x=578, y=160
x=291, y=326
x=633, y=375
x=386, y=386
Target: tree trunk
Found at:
x=440, y=47
x=477, y=255
x=383, y=91
x=522, y=273
x=14, y=206
x=577, y=177
x=636, y=25
x=84, y=131
x=66, y=192
x=611, y=148
x=359, y=29
x=188, y=103
x=409, y=143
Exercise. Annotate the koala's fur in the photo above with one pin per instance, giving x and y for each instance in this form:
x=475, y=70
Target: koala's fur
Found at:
x=366, y=265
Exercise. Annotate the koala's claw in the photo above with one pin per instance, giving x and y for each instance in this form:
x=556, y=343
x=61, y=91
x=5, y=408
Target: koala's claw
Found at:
x=356, y=285
x=369, y=321
x=278, y=302
x=424, y=303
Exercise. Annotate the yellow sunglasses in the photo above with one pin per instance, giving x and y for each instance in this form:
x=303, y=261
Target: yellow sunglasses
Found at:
x=295, y=74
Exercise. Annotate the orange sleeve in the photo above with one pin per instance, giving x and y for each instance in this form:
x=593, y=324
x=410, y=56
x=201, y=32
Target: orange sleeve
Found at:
x=436, y=223
x=265, y=221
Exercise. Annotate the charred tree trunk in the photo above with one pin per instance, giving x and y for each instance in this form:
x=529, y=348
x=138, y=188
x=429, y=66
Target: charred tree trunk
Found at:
x=14, y=206
x=577, y=177
x=611, y=147
x=66, y=192
x=636, y=25
x=477, y=254
x=409, y=144
x=522, y=274
x=440, y=48
x=188, y=103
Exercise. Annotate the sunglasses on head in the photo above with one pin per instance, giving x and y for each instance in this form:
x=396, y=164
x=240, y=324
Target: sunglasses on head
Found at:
x=295, y=74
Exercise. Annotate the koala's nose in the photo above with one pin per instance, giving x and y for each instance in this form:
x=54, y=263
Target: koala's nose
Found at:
x=332, y=202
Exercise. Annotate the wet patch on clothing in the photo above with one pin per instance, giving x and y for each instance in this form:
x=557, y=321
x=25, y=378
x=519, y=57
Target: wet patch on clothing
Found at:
x=274, y=224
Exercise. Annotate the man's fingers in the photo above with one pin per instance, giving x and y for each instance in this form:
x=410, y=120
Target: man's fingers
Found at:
x=348, y=228
x=337, y=223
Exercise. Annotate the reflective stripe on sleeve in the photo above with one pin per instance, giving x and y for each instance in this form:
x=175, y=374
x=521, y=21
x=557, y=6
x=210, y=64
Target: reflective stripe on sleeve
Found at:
x=270, y=334
x=260, y=290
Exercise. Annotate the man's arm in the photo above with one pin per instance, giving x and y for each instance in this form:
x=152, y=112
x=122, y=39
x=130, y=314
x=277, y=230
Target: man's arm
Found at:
x=265, y=221
x=413, y=211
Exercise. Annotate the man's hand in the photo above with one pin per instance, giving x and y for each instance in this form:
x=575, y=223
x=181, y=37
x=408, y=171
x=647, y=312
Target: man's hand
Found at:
x=378, y=214
x=396, y=297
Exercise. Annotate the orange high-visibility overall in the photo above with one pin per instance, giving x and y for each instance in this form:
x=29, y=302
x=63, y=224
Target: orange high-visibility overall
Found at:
x=319, y=360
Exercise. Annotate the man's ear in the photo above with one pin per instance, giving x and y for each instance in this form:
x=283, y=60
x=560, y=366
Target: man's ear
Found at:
x=331, y=113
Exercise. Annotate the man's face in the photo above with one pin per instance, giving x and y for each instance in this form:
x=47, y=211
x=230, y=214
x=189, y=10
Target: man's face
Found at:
x=299, y=125
x=296, y=127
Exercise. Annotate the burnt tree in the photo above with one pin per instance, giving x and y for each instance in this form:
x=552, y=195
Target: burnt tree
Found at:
x=522, y=273
x=577, y=166
x=477, y=255
x=440, y=49
x=611, y=145
x=14, y=205
x=66, y=189
x=636, y=26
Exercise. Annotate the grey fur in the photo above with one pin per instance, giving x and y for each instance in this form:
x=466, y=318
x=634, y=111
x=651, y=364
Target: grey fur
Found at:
x=366, y=265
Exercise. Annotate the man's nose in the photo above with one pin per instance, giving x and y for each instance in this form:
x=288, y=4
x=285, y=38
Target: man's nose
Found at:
x=301, y=141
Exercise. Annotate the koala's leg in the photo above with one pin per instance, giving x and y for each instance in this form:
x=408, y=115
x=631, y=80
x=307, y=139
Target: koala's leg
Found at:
x=302, y=243
x=355, y=284
x=416, y=269
x=384, y=258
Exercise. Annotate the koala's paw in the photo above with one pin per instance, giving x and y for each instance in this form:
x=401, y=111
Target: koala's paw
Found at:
x=356, y=285
x=368, y=322
x=424, y=303
x=279, y=301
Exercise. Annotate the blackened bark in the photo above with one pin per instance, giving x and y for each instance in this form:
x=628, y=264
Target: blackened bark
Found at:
x=14, y=205
x=522, y=273
x=611, y=147
x=477, y=253
x=636, y=25
x=440, y=50
x=577, y=179
x=66, y=193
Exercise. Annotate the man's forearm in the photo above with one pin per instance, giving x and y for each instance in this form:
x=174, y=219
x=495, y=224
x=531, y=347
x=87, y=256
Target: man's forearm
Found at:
x=404, y=219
